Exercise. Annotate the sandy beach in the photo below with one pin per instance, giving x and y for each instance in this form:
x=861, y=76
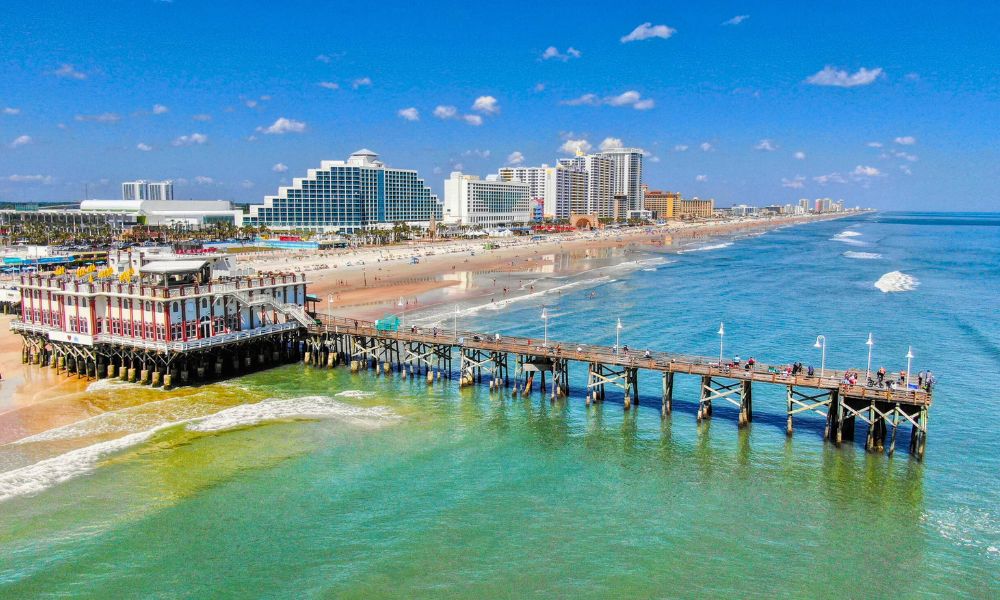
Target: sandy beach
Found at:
x=368, y=282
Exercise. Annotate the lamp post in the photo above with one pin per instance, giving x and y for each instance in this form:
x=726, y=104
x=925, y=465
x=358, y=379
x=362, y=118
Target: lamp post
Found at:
x=545, y=320
x=329, y=302
x=618, y=335
x=455, y=335
x=869, y=343
x=722, y=335
x=402, y=320
x=821, y=344
x=909, y=359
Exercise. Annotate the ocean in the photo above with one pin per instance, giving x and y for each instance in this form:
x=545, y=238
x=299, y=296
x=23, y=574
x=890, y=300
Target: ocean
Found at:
x=310, y=482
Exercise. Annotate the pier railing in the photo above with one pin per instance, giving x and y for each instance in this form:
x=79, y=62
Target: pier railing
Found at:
x=831, y=379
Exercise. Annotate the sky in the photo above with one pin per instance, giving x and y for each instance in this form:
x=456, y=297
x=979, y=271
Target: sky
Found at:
x=894, y=105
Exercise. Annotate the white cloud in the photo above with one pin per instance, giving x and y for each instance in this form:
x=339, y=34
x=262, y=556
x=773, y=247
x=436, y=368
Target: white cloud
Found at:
x=865, y=171
x=437, y=170
x=246, y=184
x=11, y=111
x=586, y=99
x=473, y=119
x=330, y=85
x=251, y=103
x=574, y=146
x=159, y=109
x=539, y=87
x=800, y=155
x=830, y=178
x=648, y=31
x=912, y=77
x=706, y=147
x=66, y=71
x=652, y=158
x=609, y=143
x=874, y=144
x=486, y=105
x=361, y=81
x=445, y=112
x=553, y=53
x=840, y=78
x=457, y=166
x=515, y=158
x=43, y=179
x=905, y=155
x=107, y=117
x=766, y=145
x=190, y=140
x=279, y=167
x=906, y=140
x=20, y=140
x=203, y=180
x=628, y=98
x=797, y=182
x=478, y=153
x=143, y=146
x=282, y=126
x=323, y=58
x=202, y=117
x=410, y=113
x=681, y=148
x=905, y=169
x=736, y=20
x=701, y=178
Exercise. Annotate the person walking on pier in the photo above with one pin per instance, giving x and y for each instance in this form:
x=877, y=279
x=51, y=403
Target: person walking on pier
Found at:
x=881, y=376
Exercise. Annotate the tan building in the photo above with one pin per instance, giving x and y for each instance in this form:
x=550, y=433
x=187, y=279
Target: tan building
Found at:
x=695, y=209
x=663, y=205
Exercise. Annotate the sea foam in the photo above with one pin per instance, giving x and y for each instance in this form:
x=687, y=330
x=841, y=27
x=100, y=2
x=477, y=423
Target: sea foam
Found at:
x=862, y=255
x=307, y=407
x=895, y=281
x=706, y=248
x=848, y=237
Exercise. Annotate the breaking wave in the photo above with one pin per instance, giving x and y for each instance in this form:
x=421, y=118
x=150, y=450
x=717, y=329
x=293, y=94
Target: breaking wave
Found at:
x=706, y=248
x=307, y=407
x=46, y=473
x=862, y=255
x=848, y=237
x=895, y=281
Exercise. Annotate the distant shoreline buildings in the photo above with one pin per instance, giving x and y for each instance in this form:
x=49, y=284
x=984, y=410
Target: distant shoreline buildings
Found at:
x=362, y=193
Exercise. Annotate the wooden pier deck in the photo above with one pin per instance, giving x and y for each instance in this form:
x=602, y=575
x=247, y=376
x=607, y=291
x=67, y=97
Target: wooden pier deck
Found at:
x=430, y=352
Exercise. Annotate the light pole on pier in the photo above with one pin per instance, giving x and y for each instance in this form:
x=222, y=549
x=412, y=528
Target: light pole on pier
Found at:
x=329, y=302
x=869, y=343
x=545, y=320
x=618, y=335
x=722, y=335
x=909, y=359
x=402, y=305
x=455, y=335
x=821, y=344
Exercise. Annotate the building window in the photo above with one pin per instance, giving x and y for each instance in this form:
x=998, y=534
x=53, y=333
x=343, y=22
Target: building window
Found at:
x=161, y=332
x=176, y=331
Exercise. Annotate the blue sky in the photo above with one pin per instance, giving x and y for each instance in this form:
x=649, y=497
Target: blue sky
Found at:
x=893, y=105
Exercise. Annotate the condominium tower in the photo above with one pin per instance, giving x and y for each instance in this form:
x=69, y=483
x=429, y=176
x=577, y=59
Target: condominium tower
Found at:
x=350, y=195
x=562, y=189
x=147, y=190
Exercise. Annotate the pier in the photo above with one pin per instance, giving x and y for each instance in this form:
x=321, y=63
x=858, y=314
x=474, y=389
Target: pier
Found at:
x=515, y=364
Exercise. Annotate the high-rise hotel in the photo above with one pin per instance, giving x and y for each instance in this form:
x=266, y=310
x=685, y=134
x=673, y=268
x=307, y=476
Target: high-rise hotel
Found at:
x=350, y=195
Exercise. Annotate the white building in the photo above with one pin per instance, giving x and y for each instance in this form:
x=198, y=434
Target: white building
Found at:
x=147, y=190
x=469, y=200
x=186, y=213
x=562, y=189
x=743, y=210
x=626, y=174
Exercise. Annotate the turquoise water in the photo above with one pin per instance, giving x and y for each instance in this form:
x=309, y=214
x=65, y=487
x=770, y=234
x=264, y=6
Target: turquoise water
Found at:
x=317, y=483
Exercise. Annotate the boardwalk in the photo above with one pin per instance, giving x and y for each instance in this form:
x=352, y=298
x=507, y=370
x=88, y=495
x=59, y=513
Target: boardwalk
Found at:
x=430, y=352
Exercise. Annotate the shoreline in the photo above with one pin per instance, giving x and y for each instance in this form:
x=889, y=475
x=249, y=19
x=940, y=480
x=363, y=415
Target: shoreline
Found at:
x=365, y=283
